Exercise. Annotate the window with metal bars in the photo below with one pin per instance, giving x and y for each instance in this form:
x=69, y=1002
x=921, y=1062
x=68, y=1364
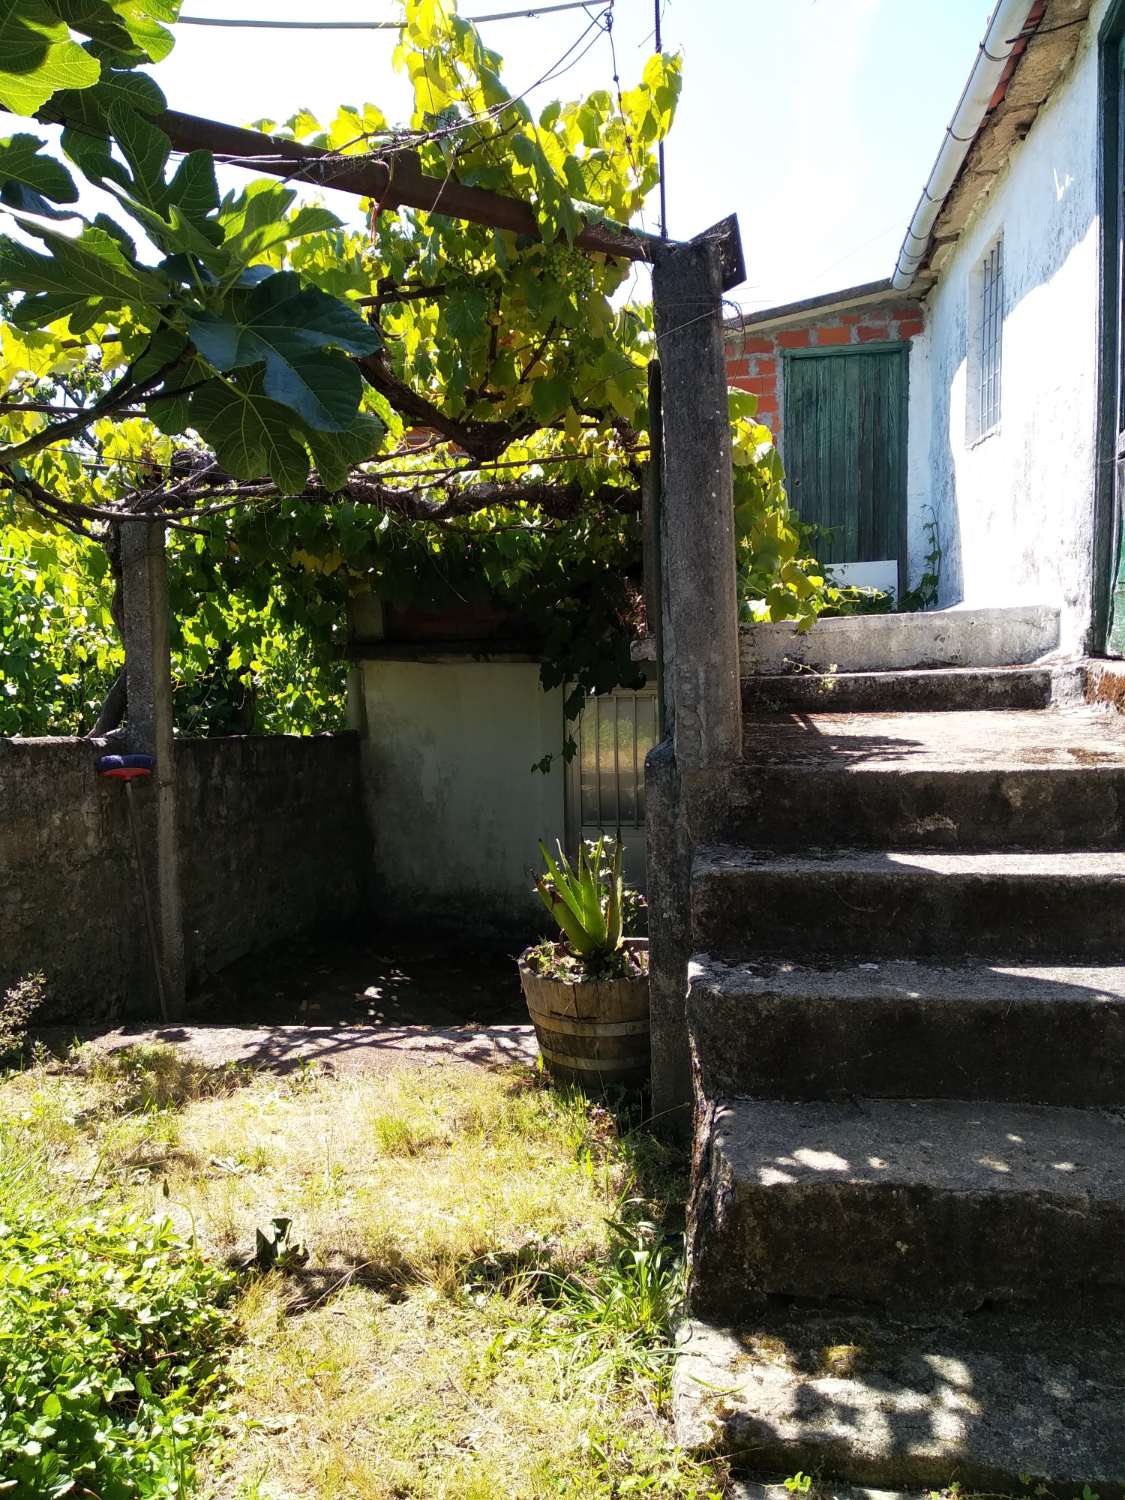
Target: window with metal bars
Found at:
x=606, y=778
x=990, y=334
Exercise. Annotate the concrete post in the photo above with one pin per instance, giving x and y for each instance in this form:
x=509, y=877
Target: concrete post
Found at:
x=700, y=614
x=144, y=591
x=699, y=638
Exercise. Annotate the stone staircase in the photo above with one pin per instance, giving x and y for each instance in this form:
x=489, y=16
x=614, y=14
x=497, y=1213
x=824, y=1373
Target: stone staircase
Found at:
x=906, y=1011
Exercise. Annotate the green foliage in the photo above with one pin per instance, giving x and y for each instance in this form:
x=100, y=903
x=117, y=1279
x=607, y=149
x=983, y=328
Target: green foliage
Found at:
x=616, y=1320
x=17, y=1006
x=59, y=648
x=276, y=1248
x=586, y=899
x=111, y=1334
x=924, y=594
x=229, y=372
x=242, y=659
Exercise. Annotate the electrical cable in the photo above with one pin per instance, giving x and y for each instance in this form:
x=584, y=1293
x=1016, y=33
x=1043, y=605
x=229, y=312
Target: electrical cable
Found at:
x=504, y=15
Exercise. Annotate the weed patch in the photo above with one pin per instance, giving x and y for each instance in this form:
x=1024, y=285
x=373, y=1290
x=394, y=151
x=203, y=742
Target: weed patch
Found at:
x=112, y=1336
x=466, y=1289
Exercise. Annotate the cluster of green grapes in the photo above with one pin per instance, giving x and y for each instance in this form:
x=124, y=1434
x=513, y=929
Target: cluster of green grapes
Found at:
x=568, y=268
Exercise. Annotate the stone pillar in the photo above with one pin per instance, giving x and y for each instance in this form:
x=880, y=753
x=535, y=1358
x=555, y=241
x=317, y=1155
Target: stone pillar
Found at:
x=148, y=672
x=700, y=614
x=699, y=637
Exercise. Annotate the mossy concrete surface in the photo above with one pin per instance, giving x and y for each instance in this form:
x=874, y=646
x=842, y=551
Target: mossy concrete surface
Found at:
x=991, y=1402
x=904, y=1029
x=911, y=1203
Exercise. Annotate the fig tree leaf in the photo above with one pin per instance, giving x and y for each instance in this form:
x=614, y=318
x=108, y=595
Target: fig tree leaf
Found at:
x=296, y=332
x=38, y=56
x=252, y=436
x=92, y=265
x=21, y=163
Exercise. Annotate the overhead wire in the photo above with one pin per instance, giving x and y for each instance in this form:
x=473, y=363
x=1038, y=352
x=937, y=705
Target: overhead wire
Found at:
x=411, y=140
x=249, y=23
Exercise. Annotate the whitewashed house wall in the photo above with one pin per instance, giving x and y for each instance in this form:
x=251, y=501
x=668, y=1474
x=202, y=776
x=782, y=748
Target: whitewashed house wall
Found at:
x=1015, y=509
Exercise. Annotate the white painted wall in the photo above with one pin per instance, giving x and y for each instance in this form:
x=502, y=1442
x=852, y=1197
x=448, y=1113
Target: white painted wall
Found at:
x=1016, y=509
x=454, y=807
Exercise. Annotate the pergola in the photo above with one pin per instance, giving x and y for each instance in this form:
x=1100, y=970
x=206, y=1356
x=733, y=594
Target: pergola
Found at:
x=689, y=538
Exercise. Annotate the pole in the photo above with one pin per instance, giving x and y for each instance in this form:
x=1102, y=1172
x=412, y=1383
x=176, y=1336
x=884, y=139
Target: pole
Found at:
x=657, y=4
x=702, y=691
x=144, y=591
x=150, y=924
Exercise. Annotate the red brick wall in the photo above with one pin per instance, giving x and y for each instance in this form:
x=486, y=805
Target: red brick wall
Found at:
x=755, y=355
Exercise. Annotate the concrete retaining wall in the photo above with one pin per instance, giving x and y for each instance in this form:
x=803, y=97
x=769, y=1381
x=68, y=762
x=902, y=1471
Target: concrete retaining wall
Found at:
x=272, y=844
x=889, y=643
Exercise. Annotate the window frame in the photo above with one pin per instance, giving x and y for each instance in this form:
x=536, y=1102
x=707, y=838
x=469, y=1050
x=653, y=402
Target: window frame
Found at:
x=984, y=396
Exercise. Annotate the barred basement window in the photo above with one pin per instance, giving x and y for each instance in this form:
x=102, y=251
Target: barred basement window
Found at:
x=606, y=779
x=991, y=327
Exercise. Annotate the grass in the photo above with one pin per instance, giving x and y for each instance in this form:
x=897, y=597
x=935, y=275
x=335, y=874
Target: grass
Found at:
x=477, y=1297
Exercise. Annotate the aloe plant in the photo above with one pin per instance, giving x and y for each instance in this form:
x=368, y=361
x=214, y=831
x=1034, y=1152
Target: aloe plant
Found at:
x=585, y=899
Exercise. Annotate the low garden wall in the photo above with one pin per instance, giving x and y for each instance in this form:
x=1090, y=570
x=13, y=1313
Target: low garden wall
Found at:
x=273, y=843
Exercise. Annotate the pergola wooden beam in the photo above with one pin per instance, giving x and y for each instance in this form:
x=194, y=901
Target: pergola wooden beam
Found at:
x=395, y=182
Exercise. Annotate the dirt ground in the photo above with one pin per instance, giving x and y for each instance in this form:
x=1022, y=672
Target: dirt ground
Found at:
x=406, y=999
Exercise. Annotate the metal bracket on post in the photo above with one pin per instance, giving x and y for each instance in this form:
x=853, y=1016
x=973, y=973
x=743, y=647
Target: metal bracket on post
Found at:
x=148, y=672
x=727, y=238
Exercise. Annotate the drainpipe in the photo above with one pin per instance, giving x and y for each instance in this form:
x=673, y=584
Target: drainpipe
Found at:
x=1008, y=20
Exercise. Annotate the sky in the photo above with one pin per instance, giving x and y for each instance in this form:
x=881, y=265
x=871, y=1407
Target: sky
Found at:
x=817, y=121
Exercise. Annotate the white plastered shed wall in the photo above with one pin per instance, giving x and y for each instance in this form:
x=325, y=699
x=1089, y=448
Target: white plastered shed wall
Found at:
x=454, y=806
x=1015, y=509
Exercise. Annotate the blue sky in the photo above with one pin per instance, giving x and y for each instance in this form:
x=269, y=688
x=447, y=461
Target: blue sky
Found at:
x=816, y=120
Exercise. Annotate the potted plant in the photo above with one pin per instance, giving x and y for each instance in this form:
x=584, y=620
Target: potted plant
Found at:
x=587, y=993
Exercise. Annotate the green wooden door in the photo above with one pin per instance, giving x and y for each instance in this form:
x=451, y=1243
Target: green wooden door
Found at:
x=844, y=445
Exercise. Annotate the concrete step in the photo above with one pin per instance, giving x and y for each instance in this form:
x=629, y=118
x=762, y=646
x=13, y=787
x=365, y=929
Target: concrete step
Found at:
x=939, y=688
x=909, y=904
x=906, y=1030
x=907, y=1204
x=882, y=643
x=1013, y=779
x=997, y=1403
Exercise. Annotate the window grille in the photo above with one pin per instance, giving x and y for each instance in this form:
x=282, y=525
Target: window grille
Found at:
x=605, y=783
x=615, y=733
x=991, y=334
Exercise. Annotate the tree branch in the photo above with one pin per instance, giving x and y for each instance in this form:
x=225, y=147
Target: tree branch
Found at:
x=122, y=393
x=480, y=440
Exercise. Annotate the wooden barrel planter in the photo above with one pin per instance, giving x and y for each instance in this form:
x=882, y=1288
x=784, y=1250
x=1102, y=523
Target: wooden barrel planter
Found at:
x=595, y=1032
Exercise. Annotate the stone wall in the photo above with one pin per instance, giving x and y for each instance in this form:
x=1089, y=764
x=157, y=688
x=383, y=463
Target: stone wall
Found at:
x=273, y=844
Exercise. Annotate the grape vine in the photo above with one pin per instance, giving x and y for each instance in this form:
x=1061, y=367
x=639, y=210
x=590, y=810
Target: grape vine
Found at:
x=422, y=407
